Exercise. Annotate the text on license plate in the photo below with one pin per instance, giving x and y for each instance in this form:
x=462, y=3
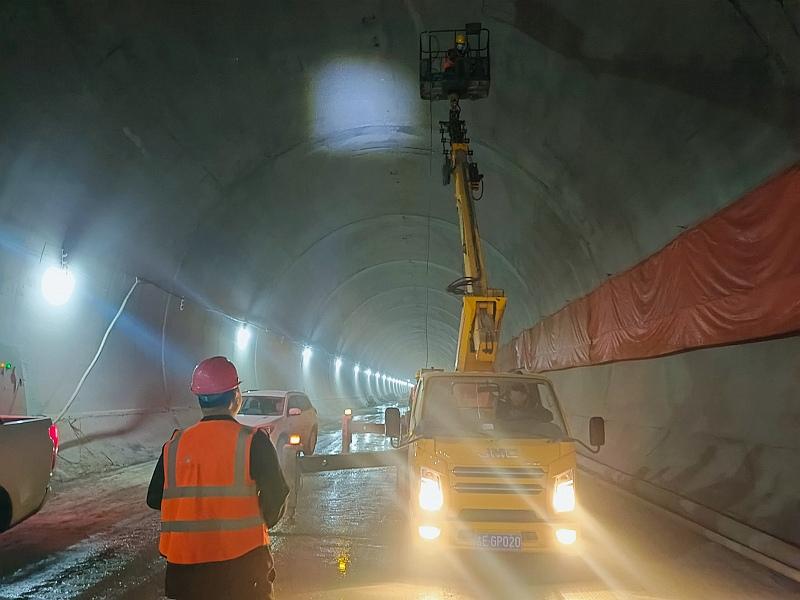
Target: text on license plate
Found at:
x=498, y=541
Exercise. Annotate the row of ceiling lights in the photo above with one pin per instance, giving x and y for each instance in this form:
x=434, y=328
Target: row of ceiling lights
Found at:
x=58, y=285
x=244, y=334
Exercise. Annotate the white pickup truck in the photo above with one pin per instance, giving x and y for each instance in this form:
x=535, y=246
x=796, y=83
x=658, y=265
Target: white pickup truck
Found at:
x=28, y=448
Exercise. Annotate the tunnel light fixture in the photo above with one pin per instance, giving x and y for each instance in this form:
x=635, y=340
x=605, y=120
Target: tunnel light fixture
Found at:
x=58, y=284
x=383, y=377
x=308, y=351
x=377, y=374
x=368, y=372
x=338, y=362
x=356, y=368
x=243, y=337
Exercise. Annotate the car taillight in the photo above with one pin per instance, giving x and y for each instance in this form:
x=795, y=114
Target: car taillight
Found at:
x=53, y=432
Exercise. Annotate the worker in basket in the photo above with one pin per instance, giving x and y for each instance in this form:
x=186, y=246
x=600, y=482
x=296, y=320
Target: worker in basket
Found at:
x=219, y=487
x=455, y=58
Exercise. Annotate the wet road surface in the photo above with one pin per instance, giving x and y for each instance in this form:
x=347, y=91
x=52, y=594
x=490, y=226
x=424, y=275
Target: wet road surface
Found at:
x=97, y=539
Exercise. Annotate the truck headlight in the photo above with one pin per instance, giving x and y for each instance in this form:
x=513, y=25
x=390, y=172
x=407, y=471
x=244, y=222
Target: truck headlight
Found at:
x=430, y=490
x=564, y=492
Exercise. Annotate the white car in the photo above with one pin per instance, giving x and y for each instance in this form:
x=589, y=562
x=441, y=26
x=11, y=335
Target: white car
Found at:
x=28, y=446
x=281, y=414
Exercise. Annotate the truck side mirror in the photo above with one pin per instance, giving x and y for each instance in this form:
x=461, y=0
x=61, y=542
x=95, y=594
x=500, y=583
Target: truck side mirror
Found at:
x=392, y=420
x=597, y=431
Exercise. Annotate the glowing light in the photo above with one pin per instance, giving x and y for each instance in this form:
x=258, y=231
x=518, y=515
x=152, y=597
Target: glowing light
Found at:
x=348, y=121
x=356, y=368
x=338, y=363
x=429, y=532
x=294, y=439
x=368, y=372
x=383, y=377
x=430, y=491
x=566, y=536
x=307, y=352
x=343, y=561
x=242, y=337
x=377, y=374
x=564, y=493
x=348, y=412
x=57, y=285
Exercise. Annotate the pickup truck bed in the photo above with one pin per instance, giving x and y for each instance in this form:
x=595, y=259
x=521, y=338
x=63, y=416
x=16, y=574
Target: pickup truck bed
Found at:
x=28, y=447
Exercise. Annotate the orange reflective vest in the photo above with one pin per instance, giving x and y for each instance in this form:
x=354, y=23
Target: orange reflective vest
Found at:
x=210, y=510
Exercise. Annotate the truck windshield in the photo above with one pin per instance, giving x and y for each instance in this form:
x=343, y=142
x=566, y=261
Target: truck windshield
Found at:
x=491, y=407
x=270, y=406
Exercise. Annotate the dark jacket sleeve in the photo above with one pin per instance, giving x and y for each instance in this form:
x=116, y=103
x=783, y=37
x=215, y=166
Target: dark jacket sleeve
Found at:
x=155, y=491
x=266, y=471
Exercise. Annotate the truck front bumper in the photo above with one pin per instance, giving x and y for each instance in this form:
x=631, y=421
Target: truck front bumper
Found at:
x=561, y=537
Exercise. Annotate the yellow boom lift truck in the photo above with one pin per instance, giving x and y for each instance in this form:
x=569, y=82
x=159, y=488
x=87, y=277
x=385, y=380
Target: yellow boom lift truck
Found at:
x=485, y=459
x=491, y=463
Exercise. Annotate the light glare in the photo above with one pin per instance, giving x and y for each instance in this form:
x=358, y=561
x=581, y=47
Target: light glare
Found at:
x=242, y=337
x=429, y=532
x=566, y=536
x=307, y=352
x=564, y=496
x=370, y=118
x=57, y=285
x=430, y=491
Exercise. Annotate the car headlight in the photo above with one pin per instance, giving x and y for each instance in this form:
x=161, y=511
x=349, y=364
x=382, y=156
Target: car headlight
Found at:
x=564, y=492
x=430, y=490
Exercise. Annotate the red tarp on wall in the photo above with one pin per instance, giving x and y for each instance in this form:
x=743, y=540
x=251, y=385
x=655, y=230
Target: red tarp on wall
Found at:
x=734, y=277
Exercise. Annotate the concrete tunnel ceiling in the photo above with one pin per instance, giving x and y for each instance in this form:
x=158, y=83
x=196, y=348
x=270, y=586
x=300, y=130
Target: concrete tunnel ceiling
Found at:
x=274, y=160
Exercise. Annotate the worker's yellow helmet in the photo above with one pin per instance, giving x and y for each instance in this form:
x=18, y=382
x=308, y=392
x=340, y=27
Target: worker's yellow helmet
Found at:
x=461, y=38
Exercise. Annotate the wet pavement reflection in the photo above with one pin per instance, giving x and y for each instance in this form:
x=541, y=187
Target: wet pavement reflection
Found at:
x=97, y=539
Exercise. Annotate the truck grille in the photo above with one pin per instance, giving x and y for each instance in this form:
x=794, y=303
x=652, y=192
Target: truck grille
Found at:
x=485, y=515
x=500, y=472
x=498, y=487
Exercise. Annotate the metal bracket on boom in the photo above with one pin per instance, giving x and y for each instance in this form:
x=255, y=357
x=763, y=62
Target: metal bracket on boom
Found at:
x=454, y=131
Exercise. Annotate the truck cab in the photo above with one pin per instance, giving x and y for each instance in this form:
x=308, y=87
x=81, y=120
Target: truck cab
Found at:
x=491, y=462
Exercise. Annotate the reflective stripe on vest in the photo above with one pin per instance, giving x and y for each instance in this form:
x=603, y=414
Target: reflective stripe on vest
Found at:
x=218, y=521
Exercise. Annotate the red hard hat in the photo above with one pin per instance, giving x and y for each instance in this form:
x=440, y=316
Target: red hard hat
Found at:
x=215, y=375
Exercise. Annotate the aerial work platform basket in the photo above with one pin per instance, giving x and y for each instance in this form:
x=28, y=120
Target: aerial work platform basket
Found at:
x=443, y=71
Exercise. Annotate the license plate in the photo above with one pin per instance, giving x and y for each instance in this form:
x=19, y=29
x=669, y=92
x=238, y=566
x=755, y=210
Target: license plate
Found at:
x=499, y=541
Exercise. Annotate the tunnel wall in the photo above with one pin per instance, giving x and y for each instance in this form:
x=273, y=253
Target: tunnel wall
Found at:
x=716, y=425
x=137, y=392
x=701, y=425
x=734, y=277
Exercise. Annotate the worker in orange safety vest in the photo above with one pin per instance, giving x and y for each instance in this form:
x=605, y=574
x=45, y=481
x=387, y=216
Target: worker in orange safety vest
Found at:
x=219, y=487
